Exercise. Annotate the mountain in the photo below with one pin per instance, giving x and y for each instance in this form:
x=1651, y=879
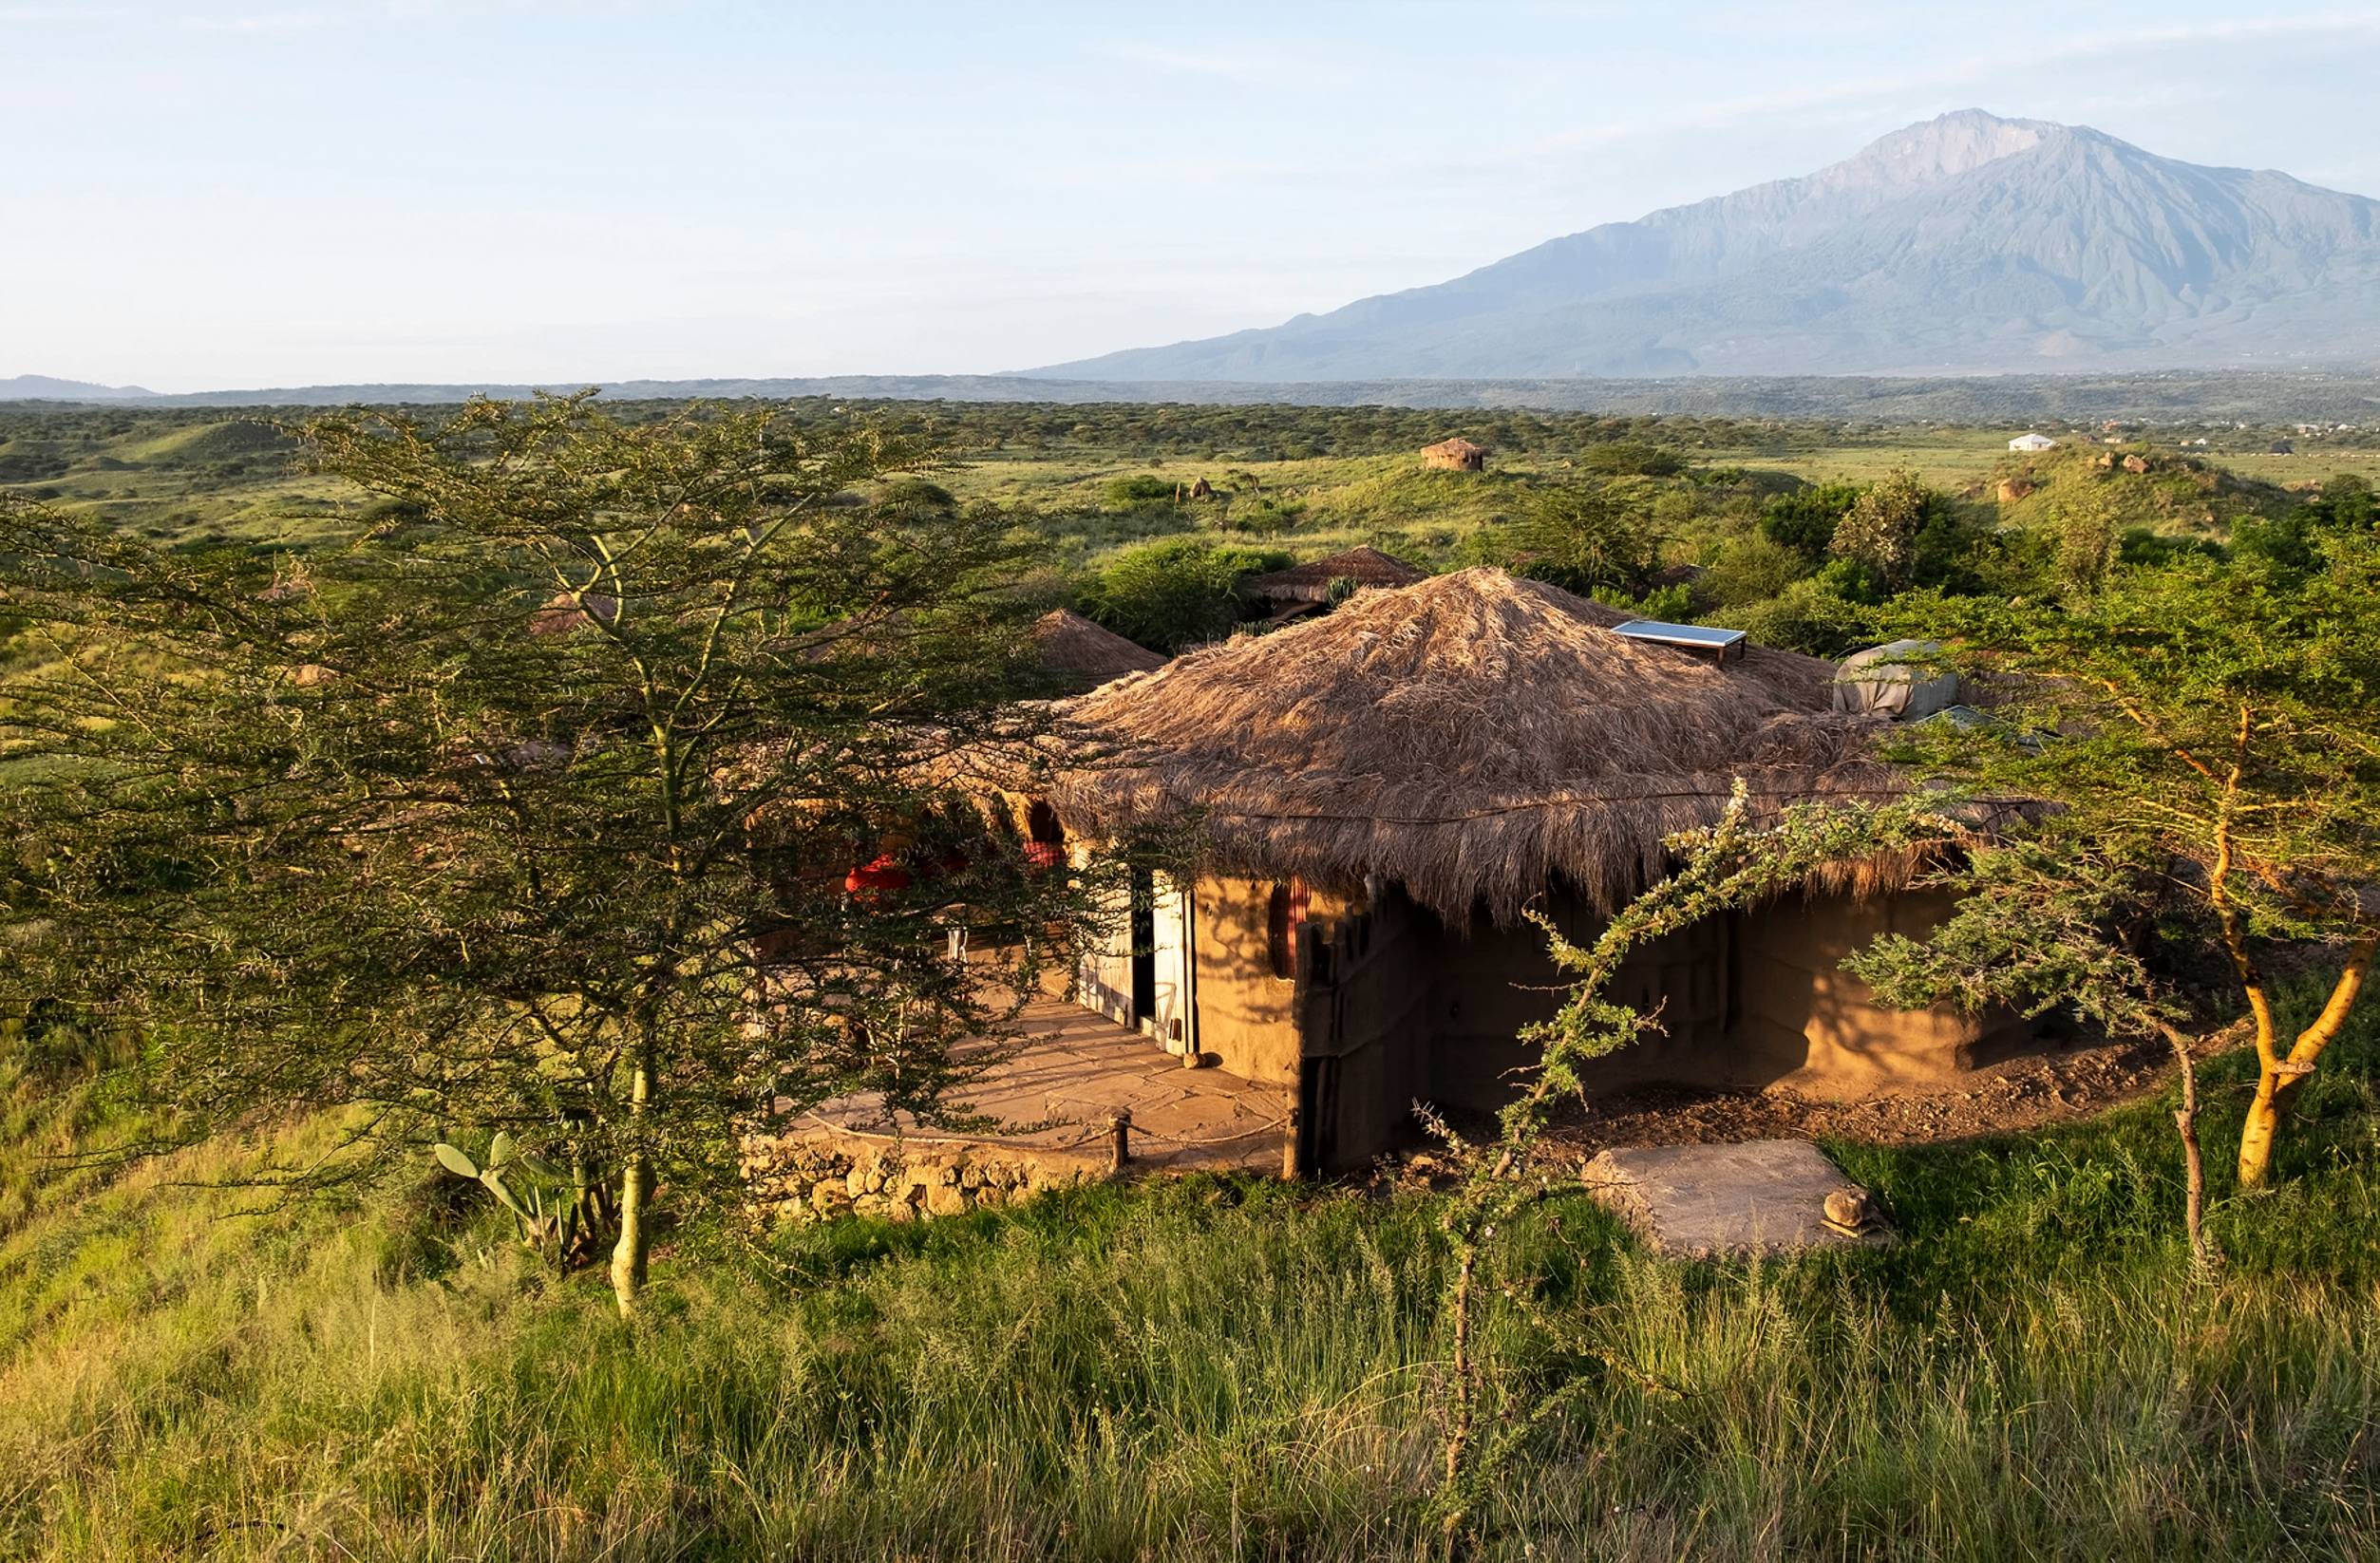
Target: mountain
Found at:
x=1969, y=244
x=40, y=388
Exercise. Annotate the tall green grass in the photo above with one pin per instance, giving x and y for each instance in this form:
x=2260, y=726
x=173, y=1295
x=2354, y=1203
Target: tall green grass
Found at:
x=1198, y=1370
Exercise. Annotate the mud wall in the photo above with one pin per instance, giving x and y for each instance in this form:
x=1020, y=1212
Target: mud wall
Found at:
x=1803, y=1022
x=1364, y=1013
x=1244, y=1011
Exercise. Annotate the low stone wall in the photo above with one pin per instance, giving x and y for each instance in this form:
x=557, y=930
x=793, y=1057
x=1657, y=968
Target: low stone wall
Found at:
x=819, y=1176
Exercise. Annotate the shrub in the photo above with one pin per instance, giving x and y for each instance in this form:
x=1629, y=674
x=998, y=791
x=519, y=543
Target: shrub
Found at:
x=1174, y=593
x=1880, y=529
x=915, y=494
x=1630, y=457
x=1751, y=568
x=1812, y=616
x=1136, y=491
x=1584, y=540
x=1804, y=521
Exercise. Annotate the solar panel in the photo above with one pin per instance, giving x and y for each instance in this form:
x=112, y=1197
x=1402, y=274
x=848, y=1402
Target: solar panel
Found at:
x=1693, y=637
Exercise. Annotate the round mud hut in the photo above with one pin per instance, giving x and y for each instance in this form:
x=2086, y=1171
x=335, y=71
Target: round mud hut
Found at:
x=1379, y=794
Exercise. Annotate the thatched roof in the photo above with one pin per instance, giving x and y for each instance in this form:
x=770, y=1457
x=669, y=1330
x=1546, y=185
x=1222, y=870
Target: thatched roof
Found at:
x=1087, y=653
x=1311, y=582
x=1473, y=737
x=1456, y=446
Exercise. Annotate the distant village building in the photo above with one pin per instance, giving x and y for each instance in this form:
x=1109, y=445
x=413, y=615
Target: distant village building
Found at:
x=1458, y=455
x=2032, y=441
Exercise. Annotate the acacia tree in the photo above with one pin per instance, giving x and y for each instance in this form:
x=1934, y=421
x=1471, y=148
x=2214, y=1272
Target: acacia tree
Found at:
x=1488, y=1410
x=1585, y=540
x=2206, y=733
x=531, y=808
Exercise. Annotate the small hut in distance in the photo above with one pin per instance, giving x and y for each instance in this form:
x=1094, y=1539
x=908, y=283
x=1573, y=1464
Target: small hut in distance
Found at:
x=1455, y=455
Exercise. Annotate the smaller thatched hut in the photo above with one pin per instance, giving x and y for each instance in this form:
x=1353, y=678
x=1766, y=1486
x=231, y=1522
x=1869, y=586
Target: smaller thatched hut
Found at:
x=1280, y=592
x=1456, y=455
x=1084, y=655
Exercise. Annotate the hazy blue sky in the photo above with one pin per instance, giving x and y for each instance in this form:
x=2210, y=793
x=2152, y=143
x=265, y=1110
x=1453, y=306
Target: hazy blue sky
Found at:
x=202, y=192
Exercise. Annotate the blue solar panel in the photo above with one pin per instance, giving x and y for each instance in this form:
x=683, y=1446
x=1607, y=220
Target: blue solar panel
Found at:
x=1700, y=637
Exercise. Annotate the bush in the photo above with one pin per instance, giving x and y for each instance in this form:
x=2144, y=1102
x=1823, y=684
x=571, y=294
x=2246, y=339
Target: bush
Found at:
x=1136, y=491
x=1804, y=521
x=1880, y=529
x=1812, y=616
x=1751, y=568
x=915, y=494
x=1630, y=457
x=1174, y=593
x=1584, y=540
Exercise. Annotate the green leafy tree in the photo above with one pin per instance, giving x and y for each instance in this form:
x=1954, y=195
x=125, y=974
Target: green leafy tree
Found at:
x=2211, y=730
x=1587, y=541
x=1879, y=530
x=2089, y=525
x=1173, y=594
x=1804, y=520
x=531, y=809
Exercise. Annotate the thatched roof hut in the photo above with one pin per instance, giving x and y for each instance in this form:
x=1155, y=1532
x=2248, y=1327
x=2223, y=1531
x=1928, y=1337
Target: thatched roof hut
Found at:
x=1473, y=737
x=1368, y=568
x=1456, y=454
x=1087, y=654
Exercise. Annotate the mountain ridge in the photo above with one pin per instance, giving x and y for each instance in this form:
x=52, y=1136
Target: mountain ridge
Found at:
x=1968, y=244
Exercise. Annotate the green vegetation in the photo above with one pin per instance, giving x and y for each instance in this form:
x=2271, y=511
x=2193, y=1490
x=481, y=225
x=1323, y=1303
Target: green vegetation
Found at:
x=494, y=820
x=373, y=801
x=1212, y=1369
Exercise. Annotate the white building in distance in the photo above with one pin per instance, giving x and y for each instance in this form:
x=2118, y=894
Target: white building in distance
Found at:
x=2032, y=441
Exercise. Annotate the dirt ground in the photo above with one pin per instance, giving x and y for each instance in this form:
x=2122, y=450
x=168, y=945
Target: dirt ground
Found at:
x=2021, y=1093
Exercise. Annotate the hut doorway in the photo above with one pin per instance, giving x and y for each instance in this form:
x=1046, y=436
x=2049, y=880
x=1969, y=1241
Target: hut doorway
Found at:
x=1164, y=1000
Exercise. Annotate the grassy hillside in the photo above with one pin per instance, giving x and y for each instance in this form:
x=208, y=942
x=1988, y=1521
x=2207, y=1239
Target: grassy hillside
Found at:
x=1189, y=1371
x=1307, y=479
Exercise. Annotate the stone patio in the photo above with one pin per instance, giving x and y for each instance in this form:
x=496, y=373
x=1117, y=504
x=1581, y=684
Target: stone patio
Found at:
x=1060, y=1090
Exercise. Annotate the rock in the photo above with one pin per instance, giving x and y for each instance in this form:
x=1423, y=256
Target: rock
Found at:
x=1704, y=1201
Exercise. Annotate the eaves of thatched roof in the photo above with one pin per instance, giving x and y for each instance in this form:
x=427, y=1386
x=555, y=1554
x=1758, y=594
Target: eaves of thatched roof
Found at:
x=1368, y=568
x=1474, y=737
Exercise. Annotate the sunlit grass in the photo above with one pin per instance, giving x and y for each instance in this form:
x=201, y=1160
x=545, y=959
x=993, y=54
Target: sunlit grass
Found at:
x=1193, y=1370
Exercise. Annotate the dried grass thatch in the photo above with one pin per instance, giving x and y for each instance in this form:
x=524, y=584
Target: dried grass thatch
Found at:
x=1087, y=654
x=1474, y=737
x=1368, y=568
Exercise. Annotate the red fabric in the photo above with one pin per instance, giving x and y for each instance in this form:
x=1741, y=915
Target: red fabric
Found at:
x=877, y=876
x=1043, y=854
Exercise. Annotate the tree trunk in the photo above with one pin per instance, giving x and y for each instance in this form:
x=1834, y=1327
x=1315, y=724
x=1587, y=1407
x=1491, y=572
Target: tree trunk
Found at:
x=2255, y=1134
x=2185, y=1120
x=628, y=1254
x=2275, y=1074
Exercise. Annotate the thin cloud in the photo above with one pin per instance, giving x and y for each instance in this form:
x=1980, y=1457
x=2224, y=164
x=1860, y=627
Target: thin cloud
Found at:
x=1229, y=66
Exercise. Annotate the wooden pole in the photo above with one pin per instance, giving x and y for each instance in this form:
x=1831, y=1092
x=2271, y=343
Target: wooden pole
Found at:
x=1291, y=1171
x=1122, y=1125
